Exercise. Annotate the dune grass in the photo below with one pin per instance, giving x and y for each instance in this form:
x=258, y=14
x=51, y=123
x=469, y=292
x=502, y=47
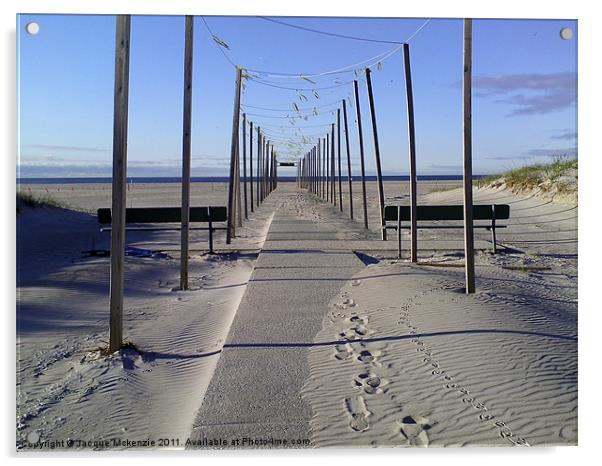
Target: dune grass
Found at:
x=32, y=201
x=445, y=187
x=542, y=176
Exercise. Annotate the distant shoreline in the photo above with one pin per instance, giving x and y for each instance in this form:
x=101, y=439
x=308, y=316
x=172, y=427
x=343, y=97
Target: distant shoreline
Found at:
x=221, y=179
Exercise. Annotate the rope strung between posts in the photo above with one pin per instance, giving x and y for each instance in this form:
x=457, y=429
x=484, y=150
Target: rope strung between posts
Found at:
x=302, y=109
x=342, y=36
x=346, y=69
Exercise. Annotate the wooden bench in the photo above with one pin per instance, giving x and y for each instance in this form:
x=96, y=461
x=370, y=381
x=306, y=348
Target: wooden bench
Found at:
x=490, y=212
x=145, y=215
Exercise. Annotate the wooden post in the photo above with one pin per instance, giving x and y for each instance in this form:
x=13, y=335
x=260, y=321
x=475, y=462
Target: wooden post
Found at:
x=251, y=163
x=272, y=158
x=467, y=124
x=309, y=179
x=266, y=151
x=266, y=161
x=259, y=164
x=186, y=139
x=266, y=170
x=333, y=196
x=339, y=158
x=319, y=158
x=230, y=231
x=263, y=152
x=317, y=162
x=316, y=169
x=412, y=152
x=313, y=170
x=309, y=171
x=350, y=181
x=244, y=161
x=314, y=183
x=118, y=204
x=328, y=187
x=361, y=141
x=322, y=144
x=379, y=175
x=306, y=171
x=238, y=190
x=272, y=169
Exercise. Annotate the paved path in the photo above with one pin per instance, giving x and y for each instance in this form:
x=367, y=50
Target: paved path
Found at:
x=307, y=257
x=256, y=388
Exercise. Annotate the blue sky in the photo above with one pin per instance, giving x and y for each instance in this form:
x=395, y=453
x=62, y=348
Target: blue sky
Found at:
x=524, y=105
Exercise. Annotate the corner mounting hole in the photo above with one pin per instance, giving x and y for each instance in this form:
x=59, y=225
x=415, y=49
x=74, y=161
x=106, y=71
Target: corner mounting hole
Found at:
x=32, y=28
x=566, y=33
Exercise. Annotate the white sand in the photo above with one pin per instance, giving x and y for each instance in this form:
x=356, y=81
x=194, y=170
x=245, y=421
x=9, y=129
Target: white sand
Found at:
x=441, y=368
x=66, y=390
x=91, y=196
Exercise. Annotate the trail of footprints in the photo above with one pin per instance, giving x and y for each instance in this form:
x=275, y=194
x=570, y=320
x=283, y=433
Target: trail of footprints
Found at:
x=368, y=381
x=449, y=382
x=412, y=428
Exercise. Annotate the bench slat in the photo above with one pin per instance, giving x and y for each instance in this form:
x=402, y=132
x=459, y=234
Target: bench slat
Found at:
x=165, y=214
x=448, y=212
x=442, y=227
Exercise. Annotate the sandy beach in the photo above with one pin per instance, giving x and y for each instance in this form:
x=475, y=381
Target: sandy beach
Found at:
x=66, y=389
x=434, y=366
x=394, y=355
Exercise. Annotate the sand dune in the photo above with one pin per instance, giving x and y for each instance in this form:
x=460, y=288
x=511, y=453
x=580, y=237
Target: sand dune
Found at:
x=405, y=358
x=66, y=389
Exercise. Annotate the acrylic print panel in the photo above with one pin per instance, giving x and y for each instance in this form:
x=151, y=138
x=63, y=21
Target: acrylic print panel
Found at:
x=203, y=259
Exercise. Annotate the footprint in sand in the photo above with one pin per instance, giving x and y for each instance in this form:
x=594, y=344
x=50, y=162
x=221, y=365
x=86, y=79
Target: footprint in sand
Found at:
x=414, y=430
x=355, y=283
x=354, y=333
x=342, y=352
x=345, y=303
x=334, y=316
x=357, y=410
x=349, y=302
x=370, y=383
x=358, y=320
x=368, y=357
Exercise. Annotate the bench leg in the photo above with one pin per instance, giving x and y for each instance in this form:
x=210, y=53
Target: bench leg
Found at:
x=493, y=239
x=398, y=237
x=210, y=236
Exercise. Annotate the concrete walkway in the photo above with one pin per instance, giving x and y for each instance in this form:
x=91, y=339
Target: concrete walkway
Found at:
x=256, y=388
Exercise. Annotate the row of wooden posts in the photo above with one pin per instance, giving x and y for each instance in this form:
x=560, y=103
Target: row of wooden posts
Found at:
x=264, y=182
x=316, y=169
x=266, y=178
